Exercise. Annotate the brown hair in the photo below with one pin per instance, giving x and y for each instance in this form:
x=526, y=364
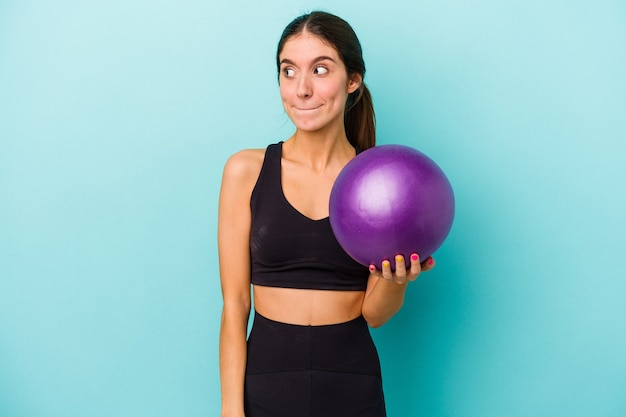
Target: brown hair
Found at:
x=359, y=118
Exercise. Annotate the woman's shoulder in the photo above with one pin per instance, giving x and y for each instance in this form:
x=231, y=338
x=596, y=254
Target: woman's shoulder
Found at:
x=244, y=165
x=245, y=157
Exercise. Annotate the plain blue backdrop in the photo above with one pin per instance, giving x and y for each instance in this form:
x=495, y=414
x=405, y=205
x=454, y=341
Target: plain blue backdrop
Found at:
x=116, y=118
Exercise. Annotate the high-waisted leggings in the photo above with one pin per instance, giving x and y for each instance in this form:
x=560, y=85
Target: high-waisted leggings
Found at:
x=312, y=371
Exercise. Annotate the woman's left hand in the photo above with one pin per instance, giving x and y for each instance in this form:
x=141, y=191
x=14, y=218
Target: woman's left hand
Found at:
x=403, y=272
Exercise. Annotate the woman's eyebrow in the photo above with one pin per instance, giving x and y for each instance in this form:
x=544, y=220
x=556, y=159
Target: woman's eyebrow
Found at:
x=318, y=59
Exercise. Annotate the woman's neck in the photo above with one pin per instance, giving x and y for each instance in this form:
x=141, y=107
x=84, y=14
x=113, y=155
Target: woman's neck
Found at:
x=318, y=150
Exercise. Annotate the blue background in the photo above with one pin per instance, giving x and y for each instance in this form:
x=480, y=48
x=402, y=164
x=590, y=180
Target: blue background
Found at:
x=116, y=118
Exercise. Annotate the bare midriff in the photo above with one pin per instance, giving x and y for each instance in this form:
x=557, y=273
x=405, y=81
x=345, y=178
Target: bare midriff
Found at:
x=307, y=307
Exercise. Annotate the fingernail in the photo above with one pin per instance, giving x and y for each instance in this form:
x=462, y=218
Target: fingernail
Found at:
x=399, y=258
x=414, y=257
x=431, y=261
x=372, y=268
x=386, y=264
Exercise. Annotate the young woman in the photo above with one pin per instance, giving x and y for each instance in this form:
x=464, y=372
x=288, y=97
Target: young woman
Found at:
x=309, y=352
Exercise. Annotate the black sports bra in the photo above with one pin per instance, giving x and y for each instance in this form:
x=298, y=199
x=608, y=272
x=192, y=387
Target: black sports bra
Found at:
x=290, y=250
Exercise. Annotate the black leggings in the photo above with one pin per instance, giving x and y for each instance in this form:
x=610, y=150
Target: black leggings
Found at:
x=312, y=371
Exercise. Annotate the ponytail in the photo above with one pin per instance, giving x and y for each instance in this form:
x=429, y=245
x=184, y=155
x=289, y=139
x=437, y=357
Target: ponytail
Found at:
x=360, y=120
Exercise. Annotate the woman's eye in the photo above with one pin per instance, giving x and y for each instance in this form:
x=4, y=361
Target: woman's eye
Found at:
x=289, y=72
x=321, y=70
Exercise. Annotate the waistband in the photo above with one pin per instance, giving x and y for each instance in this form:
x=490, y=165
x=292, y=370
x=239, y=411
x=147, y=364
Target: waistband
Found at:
x=355, y=321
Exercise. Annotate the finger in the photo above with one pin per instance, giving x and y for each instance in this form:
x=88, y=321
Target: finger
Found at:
x=416, y=267
x=400, y=276
x=387, y=274
x=428, y=264
x=374, y=271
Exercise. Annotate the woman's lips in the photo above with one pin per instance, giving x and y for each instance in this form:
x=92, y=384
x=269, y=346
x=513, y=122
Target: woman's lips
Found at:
x=308, y=108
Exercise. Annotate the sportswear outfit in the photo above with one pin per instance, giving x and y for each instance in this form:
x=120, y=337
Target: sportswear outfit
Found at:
x=295, y=370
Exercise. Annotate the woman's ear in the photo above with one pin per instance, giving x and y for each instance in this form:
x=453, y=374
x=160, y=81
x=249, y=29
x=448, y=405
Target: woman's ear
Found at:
x=354, y=82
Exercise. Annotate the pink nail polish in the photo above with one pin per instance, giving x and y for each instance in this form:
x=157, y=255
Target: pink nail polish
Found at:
x=414, y=257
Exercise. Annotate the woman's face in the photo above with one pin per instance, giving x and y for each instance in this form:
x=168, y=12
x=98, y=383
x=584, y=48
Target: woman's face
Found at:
x=314, y=83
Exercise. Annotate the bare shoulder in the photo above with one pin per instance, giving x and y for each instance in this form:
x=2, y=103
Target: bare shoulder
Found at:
x=243, y=167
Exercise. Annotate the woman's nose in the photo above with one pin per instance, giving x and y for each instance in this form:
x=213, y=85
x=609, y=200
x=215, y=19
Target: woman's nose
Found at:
x=304, y=87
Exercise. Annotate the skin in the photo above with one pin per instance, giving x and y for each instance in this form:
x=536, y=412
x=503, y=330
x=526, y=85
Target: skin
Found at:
x=314, y=86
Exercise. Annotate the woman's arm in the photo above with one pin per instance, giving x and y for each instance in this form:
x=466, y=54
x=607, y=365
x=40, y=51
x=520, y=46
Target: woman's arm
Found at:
x=385, y=289
x=240, y=174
